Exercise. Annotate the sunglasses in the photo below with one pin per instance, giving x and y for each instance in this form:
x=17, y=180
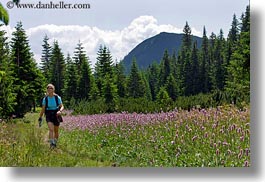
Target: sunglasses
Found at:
x=49, y=88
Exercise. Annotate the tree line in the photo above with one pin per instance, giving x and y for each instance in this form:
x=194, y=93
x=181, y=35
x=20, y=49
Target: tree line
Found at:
x=218, y=71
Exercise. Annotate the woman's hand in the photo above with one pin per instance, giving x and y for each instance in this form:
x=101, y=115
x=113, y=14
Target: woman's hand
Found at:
x=59, y=113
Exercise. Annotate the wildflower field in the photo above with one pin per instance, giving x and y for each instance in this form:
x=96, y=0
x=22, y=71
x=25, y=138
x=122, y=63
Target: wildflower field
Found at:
x=215, y=137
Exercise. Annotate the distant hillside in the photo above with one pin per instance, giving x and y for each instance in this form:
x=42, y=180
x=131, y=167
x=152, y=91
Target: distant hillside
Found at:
x=152, y=49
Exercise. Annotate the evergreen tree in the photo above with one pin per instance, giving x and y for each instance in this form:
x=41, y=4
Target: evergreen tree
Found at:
x=212, y=65
x=171, y=87
x=79, y=57
x=238, y=79
x=163, y=98
x=219, y=57
x=184, y=62
x=121, y=80
x=103, y=66
x=7, y=97
x=110, y=92
x=245, y=18
x=233, y=34
x=195, y=71
x=57, y=68
x=28, y=84
x=94, y=94
x=153, y=77
x=71, y=80
x=136, y=87
x=232, y=39
x=165, y=68
x=84, y=85
x=205, y=63
x=148, y=94
x=46, y=59
x=84, y=72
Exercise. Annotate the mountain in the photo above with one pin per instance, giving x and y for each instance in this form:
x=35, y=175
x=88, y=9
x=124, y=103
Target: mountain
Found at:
x=152, y=49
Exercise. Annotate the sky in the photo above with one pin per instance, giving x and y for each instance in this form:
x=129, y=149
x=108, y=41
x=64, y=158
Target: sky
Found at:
x=120, y=25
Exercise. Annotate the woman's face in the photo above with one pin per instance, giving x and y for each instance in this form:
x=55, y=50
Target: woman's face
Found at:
x=50, y=90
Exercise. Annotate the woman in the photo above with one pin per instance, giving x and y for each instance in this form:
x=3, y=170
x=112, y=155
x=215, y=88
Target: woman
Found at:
x=52, y=106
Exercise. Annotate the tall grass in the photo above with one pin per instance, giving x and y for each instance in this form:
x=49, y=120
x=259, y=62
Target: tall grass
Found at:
x=214, y=137
x=23, y=144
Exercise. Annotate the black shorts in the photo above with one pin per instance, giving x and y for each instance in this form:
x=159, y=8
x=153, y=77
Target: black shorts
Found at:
x=51, y=117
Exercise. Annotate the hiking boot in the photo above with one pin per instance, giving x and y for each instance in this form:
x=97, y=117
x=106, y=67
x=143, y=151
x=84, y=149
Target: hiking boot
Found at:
x=52, y=145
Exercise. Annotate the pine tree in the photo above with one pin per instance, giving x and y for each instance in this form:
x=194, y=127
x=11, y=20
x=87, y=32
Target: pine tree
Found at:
x=245, y=18
x=148, y=94
x=205, y=63
x=57, y=68
x=136, y=88
x=28, y=84
x=165, y=68
x=83, y=71
x=212, y=66
x=171, y=87
x=7, y=96
x=103, y=67
x=121, y=80
x=110, y=92
x=195, y=71
x=153, y=77
x=163, y=98
x=184, y=62
x=71, y=80
x=84, y=84
x=94, y=94
x=219, y=57
x=232, y=39
x=238, y=79
x=46, y=59
x=79, y=56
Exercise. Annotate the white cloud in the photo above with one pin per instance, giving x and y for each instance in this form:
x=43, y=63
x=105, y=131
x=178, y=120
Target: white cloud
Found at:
x=119, y=42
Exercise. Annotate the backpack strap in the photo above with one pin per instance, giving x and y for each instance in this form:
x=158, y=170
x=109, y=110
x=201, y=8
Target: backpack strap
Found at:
x=46, y=102
x=56, y=100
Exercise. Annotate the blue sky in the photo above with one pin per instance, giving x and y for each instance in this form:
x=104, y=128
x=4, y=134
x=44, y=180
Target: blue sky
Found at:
x=120, y=24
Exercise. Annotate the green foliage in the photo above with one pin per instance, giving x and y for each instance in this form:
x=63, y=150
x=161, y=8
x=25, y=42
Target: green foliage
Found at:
x=28, y=82
x=110, y=93
x=86, y=107
x=57, y=70
x=71, y=80
x=4, y=17
x=104, y=66
x=46, y=59
x=7, y=97
x=135, y=84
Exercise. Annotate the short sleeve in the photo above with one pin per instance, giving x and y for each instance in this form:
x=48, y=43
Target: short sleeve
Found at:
x=59, y=100
x=43, y=102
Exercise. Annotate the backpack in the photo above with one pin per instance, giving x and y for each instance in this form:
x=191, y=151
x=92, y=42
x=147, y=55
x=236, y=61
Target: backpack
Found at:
x=56, y=100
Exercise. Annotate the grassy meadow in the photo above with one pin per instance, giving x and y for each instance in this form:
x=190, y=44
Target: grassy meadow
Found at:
x=214, y=137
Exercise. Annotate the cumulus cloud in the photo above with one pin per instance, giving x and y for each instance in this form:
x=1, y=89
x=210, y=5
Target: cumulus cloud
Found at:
x=119, y=42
